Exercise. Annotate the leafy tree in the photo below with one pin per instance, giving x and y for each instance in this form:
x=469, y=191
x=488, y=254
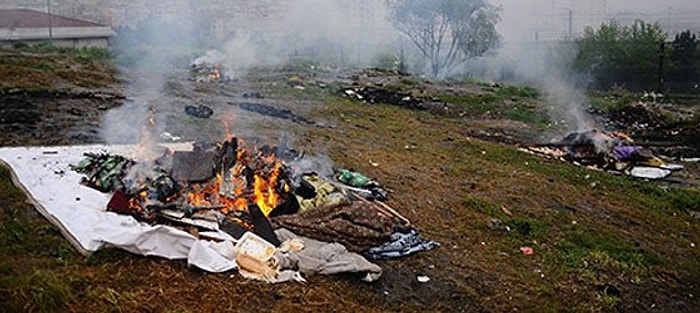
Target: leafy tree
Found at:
x=685, y=55
x=447, y=32
x=623, y=55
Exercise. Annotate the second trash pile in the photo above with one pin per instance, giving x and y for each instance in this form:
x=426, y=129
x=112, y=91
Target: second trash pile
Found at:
x=610, y=151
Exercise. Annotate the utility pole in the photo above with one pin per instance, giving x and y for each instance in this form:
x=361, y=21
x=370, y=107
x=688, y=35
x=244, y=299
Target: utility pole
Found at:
x=48, y=2
x=662, y=74
x=571, y=23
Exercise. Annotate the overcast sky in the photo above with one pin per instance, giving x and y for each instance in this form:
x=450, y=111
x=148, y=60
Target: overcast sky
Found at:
x=521, y=19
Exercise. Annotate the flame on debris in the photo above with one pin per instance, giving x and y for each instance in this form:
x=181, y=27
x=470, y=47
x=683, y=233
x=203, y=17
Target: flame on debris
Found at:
x=262, y=190
x=215, y=74
x=146, y=142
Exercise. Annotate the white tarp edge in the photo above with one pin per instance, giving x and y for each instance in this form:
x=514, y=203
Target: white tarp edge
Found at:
x=79, y=211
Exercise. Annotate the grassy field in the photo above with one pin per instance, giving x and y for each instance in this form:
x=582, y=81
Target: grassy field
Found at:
x=601, y=242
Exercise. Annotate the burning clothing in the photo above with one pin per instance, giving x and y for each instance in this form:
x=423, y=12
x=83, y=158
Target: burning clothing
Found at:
x=593, y=146
x=356, y=226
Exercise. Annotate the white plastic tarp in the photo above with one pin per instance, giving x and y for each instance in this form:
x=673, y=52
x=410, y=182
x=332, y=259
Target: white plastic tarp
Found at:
x=80, y=212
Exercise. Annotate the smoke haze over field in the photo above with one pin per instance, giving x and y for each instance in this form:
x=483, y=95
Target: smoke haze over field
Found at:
x=532, y=51
x=238, y=35
x=550, y=18
x=356, y=32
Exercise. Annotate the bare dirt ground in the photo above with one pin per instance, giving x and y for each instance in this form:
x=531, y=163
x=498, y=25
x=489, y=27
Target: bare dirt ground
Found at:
x=601, y=242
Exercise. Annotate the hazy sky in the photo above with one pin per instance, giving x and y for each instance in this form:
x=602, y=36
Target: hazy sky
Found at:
x=521, y=19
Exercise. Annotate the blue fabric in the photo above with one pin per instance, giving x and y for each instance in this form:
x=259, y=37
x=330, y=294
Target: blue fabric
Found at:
x=401, y=244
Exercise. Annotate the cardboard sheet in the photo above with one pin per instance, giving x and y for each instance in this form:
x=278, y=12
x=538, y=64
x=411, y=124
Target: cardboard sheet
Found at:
x=80, y=212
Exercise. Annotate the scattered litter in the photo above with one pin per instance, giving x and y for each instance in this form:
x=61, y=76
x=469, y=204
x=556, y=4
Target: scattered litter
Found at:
x=672, y=167
x=168, y=136
x=401, y=244
x=423, y=279
x=610, y=151
x=254, y=246
x=506, y=210
x=651, y=173
x=527, y=250
x=353, y=179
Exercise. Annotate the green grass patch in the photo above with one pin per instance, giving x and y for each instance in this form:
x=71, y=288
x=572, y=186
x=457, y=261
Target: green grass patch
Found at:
x=527, y=115
x=82, y=55
x=516, y=103
x=40, y=291
x=611, y=100
x=10, y=193
x=523, y=230
x=513, y=91
x=593, y=252
x=477, y=104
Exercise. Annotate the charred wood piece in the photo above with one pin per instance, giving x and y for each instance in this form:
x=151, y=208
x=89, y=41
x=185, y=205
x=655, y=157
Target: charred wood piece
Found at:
x=271, y=111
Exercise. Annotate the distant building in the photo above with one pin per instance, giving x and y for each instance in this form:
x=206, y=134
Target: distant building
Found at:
x=22, y=25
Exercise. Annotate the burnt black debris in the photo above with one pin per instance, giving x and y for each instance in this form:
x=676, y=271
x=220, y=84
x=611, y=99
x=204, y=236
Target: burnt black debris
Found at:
x=268, y=110
x=201, y=111
x=380, y=95
x=637, y=116
x=253, y=95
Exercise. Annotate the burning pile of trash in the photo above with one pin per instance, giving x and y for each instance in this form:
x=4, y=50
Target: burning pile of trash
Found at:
x=209, y=68
x=275, y=223
x=610, y=151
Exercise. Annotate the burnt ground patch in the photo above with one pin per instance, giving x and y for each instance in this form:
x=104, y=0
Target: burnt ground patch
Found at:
x=52, y=118
x=272, y=111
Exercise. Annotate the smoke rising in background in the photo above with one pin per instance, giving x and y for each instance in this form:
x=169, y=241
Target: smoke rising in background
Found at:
x=155, y=48
x=345, y=33
x=545, y=70
x=535, y=51
x=164, y=35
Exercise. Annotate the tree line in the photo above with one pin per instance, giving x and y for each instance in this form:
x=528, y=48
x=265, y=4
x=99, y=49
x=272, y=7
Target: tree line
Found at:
x=638, y=57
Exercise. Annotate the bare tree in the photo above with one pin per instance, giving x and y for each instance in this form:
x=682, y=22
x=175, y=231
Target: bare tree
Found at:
x=447, y=32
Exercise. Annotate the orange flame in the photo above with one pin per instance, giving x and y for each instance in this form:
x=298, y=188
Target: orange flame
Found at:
x=227, y=121
x=215, y=74
x=262, y=192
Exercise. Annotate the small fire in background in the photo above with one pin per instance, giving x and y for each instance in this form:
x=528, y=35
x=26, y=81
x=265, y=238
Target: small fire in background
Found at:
x=215, y=74
x=209, y=68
